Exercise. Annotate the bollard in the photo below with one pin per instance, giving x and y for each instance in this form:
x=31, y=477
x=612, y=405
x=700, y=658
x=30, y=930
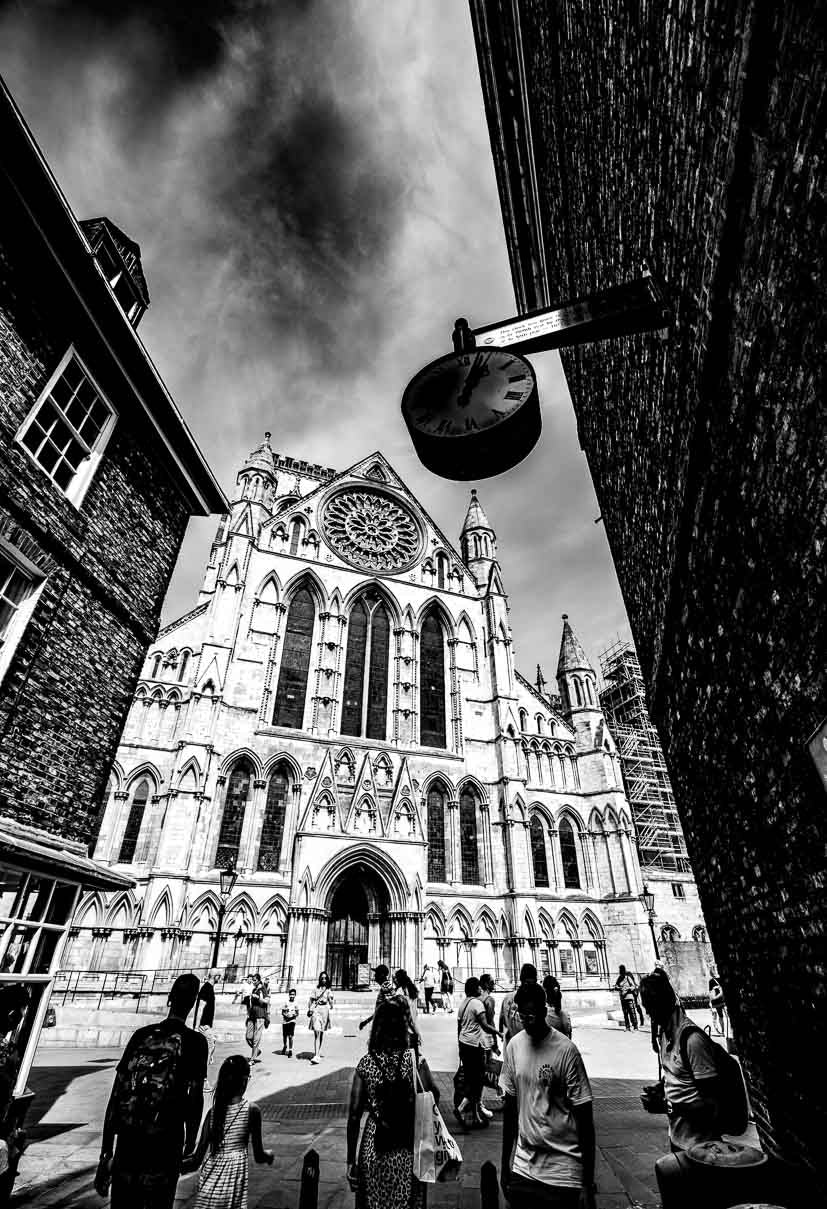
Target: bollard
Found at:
x=309, y=1191
x=489, y=1188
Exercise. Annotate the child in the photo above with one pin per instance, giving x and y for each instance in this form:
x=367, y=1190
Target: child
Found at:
x=228, y=1127
x=289, y=1012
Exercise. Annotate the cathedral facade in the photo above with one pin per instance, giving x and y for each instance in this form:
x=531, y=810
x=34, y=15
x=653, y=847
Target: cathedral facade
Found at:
x=341, y=721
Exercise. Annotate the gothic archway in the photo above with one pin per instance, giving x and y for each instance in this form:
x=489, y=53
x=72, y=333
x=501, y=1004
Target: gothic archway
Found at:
x=358, y=929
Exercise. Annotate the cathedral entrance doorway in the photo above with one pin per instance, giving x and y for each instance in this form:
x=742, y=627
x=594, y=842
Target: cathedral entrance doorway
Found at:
x=358, y=929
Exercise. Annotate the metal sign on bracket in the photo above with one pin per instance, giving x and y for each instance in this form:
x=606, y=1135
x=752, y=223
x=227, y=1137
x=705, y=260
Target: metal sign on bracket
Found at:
x=475, y=412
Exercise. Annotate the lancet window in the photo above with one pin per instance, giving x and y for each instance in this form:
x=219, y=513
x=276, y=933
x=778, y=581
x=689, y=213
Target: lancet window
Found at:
x=568, y=856
x=365, y=707
x=538, y=852
x=232, y=820
x=432, y=684
x=436, y=834
x=275, y=811
x=134, y=820
x=295, y=662
x=468, y=843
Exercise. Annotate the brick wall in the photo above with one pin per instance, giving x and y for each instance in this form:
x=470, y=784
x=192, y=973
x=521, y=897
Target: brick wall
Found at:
x=64, y=698
x=692, y=137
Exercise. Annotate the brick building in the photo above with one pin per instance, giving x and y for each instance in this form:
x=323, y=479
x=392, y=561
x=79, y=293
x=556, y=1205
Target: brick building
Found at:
x=98, y=477
x=341, y=719
x=692, y=138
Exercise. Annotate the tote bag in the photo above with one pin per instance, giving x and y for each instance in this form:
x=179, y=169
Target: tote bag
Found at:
x=436, y=1155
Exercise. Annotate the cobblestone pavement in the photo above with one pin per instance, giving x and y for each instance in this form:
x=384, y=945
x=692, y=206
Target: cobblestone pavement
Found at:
x=305, y=1106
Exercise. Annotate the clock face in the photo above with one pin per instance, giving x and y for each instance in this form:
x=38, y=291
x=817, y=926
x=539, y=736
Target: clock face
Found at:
x=467, y=393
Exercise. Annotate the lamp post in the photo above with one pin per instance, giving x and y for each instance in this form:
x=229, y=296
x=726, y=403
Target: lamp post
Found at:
x=227, y=879
x=648, y=900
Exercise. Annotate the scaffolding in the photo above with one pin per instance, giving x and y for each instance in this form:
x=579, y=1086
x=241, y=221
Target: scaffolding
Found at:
x=623, y=699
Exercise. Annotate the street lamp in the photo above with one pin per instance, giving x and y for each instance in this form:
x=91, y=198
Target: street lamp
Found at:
x=648, y=900
x=227, y=879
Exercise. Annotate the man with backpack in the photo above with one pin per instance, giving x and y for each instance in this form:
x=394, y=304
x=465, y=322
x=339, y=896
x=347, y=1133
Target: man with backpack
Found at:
x=703, y=1085
x=155, y=1107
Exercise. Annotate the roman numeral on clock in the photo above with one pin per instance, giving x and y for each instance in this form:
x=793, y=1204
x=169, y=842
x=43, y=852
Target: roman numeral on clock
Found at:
x=513, y=394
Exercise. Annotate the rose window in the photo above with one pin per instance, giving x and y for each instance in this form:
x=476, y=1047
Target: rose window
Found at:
x=371, y=531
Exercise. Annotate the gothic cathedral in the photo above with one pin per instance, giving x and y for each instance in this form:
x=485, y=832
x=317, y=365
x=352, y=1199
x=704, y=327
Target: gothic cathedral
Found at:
x=340, y=720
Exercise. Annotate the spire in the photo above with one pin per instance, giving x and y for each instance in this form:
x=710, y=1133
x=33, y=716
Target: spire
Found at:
x=541, y=681
x=572, y=656
x=260, y=458
x=478, y=542
x=475, y=517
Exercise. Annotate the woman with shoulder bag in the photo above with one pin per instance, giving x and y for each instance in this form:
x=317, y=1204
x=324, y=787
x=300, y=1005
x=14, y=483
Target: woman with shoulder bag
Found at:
x=384, y=1086
x=473, y=1031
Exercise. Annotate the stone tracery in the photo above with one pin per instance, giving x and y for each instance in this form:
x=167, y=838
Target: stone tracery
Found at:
x=371, y=530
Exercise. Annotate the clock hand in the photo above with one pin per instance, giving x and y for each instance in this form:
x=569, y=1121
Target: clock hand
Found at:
x=478, y=370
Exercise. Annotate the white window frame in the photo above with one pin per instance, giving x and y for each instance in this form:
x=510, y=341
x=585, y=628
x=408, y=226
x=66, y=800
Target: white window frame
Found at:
x=85, y=473
x=25, y=609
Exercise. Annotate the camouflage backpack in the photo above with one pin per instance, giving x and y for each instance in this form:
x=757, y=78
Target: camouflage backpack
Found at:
x=147, y=1089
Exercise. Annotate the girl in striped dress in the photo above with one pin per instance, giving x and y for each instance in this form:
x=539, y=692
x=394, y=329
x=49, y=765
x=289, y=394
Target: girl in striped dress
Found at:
x=230, y=1125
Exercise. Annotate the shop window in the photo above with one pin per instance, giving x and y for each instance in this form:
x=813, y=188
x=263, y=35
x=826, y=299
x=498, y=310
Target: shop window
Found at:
x=566, y=960
x=591, y=961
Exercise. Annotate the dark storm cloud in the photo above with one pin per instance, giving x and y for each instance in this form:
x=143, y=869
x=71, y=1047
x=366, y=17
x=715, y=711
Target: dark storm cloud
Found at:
x=297, y=201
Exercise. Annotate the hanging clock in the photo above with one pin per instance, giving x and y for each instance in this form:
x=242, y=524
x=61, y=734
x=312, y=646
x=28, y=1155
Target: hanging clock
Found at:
x=473, y=414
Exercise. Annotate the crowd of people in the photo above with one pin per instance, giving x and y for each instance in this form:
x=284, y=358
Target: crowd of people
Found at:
x=155, y=1129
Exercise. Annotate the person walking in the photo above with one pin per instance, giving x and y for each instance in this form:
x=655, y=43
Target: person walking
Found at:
x=510, y=1023
x=626, y=984
x=206, y=1020
x=446, y=987
x=318, y=1012
x=384, y=1087
x=407, y=992
x=556, y=1016
x=289, y=1013
x=258, y=1017
x=387, y=991
x=428, y=981
x=472, y=1030
x=691, y=1082
x=717, y=1003
x=229, y=1127
x=155, y=1107
x=548, y=1145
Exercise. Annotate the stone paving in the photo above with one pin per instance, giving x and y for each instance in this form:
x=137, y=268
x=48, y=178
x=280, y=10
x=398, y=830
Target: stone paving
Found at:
x=305, y=1106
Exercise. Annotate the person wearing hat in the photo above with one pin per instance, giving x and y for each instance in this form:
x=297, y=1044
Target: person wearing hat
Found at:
x=387, y=991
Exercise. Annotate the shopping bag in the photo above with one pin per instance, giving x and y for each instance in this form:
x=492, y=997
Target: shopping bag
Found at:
x=186, y=1190
x=447, y=1155
x=424, y=1168
x=491, y=1075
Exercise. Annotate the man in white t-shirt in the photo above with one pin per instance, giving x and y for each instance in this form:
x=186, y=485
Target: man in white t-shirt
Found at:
x=547, y=1115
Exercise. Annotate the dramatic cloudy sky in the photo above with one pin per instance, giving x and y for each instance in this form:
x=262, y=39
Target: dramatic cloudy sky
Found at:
x=312, y=189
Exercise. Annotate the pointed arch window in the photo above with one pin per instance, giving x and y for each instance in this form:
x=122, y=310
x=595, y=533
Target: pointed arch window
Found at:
x=568, y=856
x=468, y=846
x=432, y=684
x=436, y=834
x=232, y=820
x=156, y=666
x=133, y=822
x=440, y=570
x=365, y=707
x=295, y=661
x=295, y=535
x=185, y=662
x=538, y=852
x=275, y=811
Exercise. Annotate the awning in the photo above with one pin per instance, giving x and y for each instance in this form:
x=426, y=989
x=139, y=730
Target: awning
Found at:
x=41, y=852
